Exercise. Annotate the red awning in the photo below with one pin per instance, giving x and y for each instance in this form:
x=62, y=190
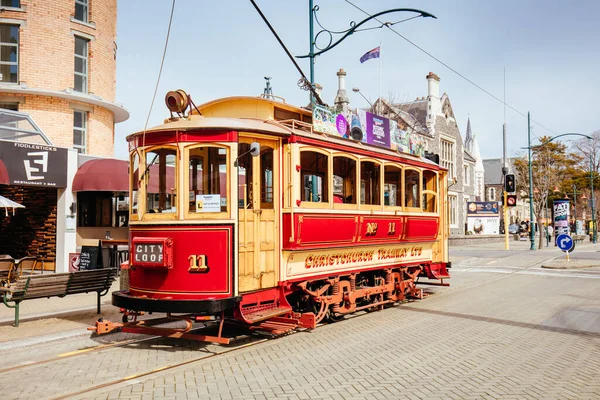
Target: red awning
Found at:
x=106, y=175
x=4, y=179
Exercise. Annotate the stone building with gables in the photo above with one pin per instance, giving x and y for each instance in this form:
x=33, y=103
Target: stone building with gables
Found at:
x=431, y=119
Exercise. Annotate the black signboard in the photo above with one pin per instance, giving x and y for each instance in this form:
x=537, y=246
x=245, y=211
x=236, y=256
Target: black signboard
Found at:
x=30, y=164
x=90, y=257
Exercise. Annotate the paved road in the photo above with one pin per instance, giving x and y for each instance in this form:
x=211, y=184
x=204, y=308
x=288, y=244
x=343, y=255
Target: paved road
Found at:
x=505, y=329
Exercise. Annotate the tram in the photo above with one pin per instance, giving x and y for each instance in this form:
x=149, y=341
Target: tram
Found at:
x=241, y=210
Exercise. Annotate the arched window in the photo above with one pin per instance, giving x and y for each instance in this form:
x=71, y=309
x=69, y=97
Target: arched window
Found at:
x=370, y=175
x=430, y=191
x=315, y=176
x=412, y=188
x=207, y=179
x=344, y=180
x=392, y=188
x=135, y=182
x=160, y=179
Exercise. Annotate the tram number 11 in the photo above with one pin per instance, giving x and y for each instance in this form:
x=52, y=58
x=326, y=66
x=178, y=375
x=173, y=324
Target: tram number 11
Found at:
x=197, y=263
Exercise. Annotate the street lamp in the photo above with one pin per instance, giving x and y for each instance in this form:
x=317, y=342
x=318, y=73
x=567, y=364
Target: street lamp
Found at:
x=357, y=90
x=593, y=200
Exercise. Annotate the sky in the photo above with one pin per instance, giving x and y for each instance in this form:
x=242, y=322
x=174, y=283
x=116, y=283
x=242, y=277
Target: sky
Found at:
x=548, y=51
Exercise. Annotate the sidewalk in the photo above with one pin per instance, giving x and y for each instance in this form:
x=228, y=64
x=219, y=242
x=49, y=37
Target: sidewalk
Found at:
x=56, y=318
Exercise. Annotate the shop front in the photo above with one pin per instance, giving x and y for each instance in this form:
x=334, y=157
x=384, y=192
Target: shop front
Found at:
x=36, y=177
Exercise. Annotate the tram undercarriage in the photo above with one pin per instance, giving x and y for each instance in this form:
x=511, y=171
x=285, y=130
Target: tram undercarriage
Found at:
x=297, y=305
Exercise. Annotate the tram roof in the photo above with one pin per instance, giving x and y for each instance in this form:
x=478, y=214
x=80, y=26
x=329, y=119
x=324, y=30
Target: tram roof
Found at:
x=200, y=123
x=195, y=122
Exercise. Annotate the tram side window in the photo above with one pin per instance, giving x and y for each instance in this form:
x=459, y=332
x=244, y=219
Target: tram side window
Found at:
x=412, y=188
x=161, y=180
x=392, y=188
x=208, y=180
x=344, y=180
x=370, y=174
x=429, y=191
x=245, y=177
x=314, y=167
x=266, y=178
x=135, y=182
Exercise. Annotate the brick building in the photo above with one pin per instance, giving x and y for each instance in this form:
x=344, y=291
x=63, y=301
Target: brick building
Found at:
x=57, y=111
x=58, y=65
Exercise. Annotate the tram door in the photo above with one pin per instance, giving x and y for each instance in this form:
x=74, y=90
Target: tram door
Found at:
x=258, y=179
x=440, y=249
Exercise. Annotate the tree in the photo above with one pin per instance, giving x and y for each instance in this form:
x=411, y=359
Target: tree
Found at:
x=550, y=167
x=588, y=148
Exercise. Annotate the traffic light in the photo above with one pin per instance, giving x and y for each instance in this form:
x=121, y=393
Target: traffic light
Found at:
x=511, y=200
x=509, y=183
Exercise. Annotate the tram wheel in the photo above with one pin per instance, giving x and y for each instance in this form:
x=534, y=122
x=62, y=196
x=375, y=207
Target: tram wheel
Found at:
x=333, y=317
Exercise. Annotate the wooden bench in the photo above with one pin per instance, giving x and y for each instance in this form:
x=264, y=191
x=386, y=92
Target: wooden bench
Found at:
x=579, y=238
x=57, y=285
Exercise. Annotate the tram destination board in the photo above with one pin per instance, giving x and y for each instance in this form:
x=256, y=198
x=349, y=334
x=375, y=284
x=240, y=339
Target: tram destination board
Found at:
x=152, y=252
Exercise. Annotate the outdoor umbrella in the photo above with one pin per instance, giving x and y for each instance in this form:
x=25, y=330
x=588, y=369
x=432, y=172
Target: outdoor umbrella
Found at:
x=6, y=203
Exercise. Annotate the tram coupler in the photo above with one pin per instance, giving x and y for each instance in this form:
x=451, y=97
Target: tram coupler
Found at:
x=102, y=327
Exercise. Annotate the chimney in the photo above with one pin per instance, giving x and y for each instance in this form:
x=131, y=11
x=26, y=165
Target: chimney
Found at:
x=341, y=98
x=434, y=106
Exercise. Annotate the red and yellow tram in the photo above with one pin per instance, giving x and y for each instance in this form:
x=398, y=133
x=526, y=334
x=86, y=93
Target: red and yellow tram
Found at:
x=241, y=210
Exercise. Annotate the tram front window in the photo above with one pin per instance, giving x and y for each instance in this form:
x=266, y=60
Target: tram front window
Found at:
x=207, y=180
x=160, y=179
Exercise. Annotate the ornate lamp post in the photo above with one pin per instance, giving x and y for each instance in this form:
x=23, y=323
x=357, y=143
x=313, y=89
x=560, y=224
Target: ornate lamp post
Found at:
x=354, y=27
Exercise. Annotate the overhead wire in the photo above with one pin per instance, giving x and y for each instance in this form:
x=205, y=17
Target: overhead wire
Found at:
x=449, y=67
x=162, y=63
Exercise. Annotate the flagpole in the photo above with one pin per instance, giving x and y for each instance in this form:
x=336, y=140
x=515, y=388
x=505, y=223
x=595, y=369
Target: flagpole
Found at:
x=379, y=111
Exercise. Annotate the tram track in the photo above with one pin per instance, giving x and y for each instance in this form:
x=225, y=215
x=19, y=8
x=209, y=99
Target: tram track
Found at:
x=75, y=353
x=134, y=378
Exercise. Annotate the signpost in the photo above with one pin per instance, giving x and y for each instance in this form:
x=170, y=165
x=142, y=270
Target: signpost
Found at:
x=565, y=243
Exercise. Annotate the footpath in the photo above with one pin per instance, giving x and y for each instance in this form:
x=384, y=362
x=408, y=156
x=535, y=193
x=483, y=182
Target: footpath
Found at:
x=45, y=320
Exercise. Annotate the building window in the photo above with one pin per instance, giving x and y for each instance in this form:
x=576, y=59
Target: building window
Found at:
x=9, y=53
x=447, y=158
x=81, y=64
x=82, y=10
x=467, y=178
x=8, y=134
x=453, y=203
x=80, y=131
x=11, y=3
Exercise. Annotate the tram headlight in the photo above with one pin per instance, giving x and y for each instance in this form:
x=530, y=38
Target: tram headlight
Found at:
x=150, y=252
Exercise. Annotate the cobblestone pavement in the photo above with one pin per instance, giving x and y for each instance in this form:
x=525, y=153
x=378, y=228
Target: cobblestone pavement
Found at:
x=496, y=333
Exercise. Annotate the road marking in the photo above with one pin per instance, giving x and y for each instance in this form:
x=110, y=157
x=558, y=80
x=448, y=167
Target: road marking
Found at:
x=508, y=270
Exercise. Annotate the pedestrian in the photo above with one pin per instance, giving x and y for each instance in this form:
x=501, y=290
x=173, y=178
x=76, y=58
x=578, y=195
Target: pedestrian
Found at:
x=550, y=231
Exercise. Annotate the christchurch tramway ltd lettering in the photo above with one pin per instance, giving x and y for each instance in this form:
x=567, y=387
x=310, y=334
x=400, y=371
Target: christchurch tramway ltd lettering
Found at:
x=324, y=260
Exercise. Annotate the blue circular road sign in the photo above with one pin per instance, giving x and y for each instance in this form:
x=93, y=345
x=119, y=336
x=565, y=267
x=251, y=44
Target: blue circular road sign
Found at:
x=565, y=242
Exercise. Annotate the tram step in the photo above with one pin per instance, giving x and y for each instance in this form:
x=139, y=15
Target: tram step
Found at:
x=261, y=315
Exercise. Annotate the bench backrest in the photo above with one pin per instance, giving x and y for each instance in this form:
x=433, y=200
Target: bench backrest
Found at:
x=7, y=265
x=62, y=284
x=95, y=280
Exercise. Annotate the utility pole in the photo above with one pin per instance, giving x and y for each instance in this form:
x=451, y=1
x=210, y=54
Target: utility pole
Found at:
x=531, y=226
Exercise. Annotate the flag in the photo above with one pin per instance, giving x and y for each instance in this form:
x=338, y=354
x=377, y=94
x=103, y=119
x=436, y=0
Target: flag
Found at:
x=370, y=54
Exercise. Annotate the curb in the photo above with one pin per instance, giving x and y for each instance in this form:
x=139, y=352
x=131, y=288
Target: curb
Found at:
x=14, y=344
x=580, y=266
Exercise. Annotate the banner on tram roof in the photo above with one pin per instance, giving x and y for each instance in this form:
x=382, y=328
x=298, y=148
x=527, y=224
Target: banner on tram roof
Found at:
x=377, y=130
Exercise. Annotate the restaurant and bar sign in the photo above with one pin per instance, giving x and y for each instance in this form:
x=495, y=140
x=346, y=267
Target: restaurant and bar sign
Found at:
x=28, y=164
